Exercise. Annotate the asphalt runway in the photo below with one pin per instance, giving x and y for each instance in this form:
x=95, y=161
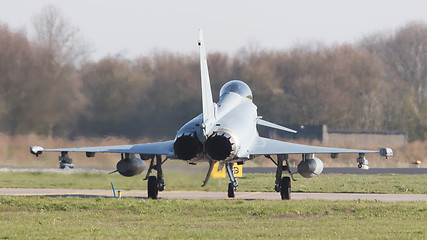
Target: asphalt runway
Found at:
x=223, y=195
x=85, y=193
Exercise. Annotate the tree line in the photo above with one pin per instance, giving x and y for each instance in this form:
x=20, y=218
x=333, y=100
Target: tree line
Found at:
x=48, y=87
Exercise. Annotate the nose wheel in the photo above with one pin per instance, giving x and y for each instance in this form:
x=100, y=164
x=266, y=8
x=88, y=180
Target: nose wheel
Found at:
x=232, y=186
x=231, y=189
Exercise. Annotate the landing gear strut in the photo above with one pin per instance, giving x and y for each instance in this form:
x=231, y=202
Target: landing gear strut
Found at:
x=282, y=185
x=232, y=186
x=155, y=184
x=65, y=162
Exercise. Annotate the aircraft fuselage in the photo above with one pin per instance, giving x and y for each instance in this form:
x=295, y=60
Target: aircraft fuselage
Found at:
x=233, y=130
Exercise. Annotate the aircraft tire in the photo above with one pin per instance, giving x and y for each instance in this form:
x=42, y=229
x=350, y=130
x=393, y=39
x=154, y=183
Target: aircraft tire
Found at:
x=230, y=190
x=285, y=188
x=152, y=187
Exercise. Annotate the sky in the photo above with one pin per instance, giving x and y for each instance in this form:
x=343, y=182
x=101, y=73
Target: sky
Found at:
x=137, y=27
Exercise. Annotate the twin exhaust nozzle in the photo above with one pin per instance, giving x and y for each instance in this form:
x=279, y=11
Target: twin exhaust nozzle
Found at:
x=219, y=146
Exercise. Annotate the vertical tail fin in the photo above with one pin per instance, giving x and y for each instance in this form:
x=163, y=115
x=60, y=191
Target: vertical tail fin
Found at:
x=207, y=101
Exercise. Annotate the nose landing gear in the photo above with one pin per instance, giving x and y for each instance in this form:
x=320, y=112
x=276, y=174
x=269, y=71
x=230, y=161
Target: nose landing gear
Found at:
x=232, y=186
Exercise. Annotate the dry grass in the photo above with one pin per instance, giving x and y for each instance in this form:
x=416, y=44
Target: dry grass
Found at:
x=14, y=152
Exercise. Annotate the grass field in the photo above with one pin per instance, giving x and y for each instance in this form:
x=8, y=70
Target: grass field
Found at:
x=181, y=180
x=128, y=218
x=101, y=218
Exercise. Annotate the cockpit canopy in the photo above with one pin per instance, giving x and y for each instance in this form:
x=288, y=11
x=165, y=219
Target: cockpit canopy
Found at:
x=238, y=87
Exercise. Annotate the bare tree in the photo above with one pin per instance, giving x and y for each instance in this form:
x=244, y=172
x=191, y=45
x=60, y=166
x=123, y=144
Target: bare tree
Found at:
x=55, y=32
x=403, y=55
x=36, y=95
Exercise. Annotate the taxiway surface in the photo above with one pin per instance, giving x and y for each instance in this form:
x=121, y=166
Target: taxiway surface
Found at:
x=209, y=195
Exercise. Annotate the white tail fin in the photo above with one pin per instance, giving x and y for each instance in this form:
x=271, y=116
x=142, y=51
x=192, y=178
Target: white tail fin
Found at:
x=207, y=101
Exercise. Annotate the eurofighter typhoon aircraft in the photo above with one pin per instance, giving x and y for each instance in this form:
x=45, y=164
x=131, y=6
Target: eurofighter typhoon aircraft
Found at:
x=225, y=132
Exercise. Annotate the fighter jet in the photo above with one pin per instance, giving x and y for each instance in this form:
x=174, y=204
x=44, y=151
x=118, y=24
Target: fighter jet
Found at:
x=225, y=132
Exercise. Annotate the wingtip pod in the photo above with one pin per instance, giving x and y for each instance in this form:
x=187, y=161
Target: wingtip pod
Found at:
x=36, y=150
x=386, y=152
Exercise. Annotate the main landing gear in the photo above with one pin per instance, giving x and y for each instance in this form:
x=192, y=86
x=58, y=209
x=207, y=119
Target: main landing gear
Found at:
x=155, y=184
x=283, y=185
x=65, y=162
